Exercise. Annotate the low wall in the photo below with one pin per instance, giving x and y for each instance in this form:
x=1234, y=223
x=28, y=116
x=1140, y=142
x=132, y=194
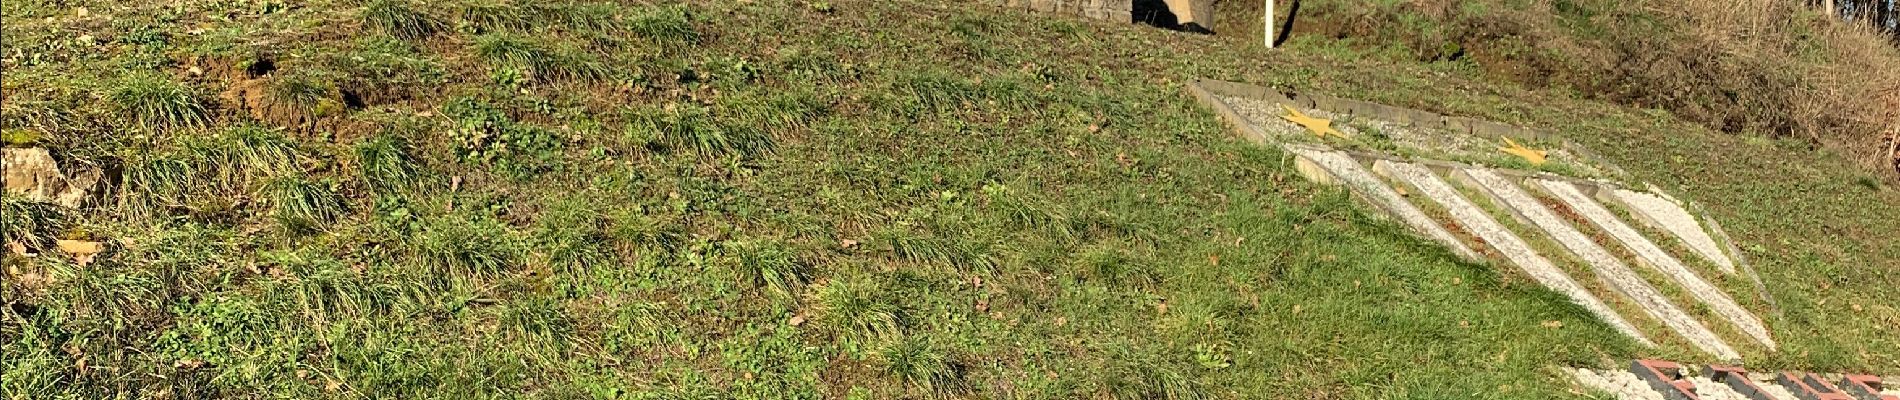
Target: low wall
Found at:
x=1111, y=10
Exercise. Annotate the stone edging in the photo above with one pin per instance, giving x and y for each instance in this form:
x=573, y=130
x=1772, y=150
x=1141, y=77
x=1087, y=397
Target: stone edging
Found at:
x=1735, y=253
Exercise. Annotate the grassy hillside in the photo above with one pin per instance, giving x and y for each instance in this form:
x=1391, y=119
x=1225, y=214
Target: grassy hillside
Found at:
x=844, y=199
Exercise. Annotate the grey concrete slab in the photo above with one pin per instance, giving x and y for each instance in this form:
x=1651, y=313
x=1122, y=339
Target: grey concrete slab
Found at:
x=1653, y=256
x=1607, y=266
x=1668, y=215
x=1513, y=248
x=1338, y=168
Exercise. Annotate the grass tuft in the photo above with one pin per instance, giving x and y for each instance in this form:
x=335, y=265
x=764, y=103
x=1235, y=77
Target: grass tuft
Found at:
x=541, y=319
x=158, y=103
x=456, y=248
x=768, y=266
x=155, y=184
x=694, y=128
x=857, y=311
x=261, y=152
x=964, y=255
x=924, y=365
x=485, y=16
x=669, y=26
x=303, y=89
x=546, y=61
x=400, y=19
x=326, y=290
x=30, y=223
x=301, y=205
x=386, y=162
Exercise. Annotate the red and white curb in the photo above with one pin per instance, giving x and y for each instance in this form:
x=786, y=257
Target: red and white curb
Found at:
x=1664, y=380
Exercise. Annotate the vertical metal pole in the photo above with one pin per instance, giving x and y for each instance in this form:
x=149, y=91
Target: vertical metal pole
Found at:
x=1268, y=24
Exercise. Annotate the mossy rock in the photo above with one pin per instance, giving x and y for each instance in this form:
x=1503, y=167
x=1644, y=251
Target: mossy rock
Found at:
x=20, y=137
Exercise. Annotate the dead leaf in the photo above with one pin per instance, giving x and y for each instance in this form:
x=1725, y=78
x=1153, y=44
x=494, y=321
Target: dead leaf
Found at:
x=1553, y=324
x=982, y=305
x=848, y=243
x=1162, y=308
x=17, y=248
x=798, y=320
x=82, y=251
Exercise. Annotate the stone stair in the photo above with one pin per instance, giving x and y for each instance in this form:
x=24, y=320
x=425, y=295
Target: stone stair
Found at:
x=1513, y=248
x=1633, y=256
x=1608, y=267
x=1653, y=255
x=1406, y=189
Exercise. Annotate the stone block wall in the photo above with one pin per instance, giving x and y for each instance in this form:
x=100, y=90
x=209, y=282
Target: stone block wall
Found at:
x=1111, y=10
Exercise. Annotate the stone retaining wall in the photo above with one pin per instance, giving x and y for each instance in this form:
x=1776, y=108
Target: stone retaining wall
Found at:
x=1112, y=10
x=1196, y=13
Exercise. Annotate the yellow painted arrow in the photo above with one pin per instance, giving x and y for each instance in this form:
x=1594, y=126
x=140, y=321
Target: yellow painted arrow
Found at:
x=1536, y=157
x=1319, y=127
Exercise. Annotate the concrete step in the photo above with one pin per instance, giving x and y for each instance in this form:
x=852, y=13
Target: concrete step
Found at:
x=1608, y=267
x=1334, y=167
x=1655, y=257
x=1513, y=248
x=1667, y=215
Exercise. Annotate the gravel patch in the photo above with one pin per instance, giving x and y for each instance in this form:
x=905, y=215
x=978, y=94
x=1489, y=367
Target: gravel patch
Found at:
x=1622, y=384
x=1479, y=222
x=1266, y=115
x=1611, y=269
x=1656, y=258
x=1344, y=168
x=1666, y=214
x=1709, y=389
x=1627, y=386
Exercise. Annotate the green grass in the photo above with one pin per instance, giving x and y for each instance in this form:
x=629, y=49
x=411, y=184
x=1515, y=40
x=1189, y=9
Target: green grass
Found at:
x=399, y=19
x=158, y=103
x=546, y=61
x=301, y=205
x=780, y=200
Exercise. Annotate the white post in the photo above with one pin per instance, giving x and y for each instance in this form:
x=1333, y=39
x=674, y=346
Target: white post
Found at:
x=1268, y=23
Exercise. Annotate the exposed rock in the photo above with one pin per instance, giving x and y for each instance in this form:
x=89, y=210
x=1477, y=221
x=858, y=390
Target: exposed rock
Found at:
x=32, y=173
